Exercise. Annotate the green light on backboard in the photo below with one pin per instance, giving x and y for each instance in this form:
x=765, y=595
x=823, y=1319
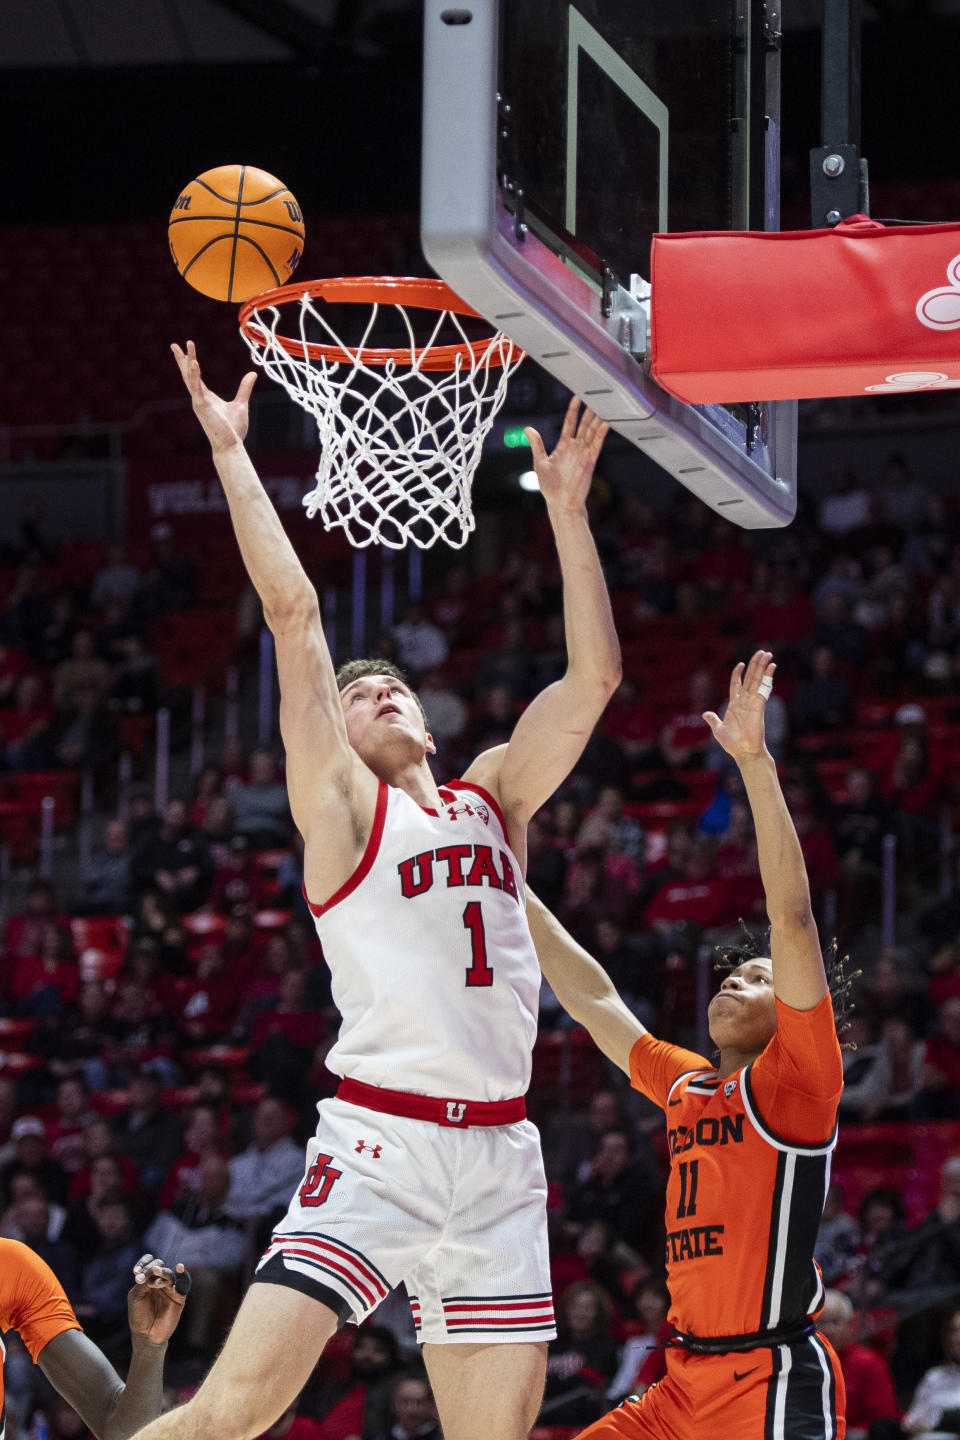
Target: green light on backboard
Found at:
x=514, y=438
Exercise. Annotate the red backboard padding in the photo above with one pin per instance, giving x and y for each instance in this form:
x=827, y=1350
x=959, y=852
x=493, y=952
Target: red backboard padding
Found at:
x=860, y=309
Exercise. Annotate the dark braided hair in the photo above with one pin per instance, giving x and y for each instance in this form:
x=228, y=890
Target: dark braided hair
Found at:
x=840, y=978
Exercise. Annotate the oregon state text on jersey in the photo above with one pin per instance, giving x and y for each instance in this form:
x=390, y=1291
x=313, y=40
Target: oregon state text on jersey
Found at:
x=749, y=1167
x=432, y=966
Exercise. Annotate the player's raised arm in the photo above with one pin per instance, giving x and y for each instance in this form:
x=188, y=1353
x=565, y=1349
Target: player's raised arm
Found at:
x=799, y=979
x=582, y=986
x=321, y=766
x=552, y=732
x=83, y=1375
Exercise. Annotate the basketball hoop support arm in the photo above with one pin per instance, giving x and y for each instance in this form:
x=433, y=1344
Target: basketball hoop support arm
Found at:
x=838, y=172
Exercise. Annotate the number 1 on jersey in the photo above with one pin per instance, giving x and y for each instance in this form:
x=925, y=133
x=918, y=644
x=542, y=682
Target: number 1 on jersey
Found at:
x=479, y=972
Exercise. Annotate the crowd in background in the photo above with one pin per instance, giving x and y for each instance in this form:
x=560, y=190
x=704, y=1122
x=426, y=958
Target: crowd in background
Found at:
x=178, y=1058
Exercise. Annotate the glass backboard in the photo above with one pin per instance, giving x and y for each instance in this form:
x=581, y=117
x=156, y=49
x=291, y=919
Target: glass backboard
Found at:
x=558, y=138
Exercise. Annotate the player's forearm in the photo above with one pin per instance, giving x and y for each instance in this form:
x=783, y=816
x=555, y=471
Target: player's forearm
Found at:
x=593, y=650
x=782, y=867
x=141, y=1398
x=270, y=559
x=582, y=986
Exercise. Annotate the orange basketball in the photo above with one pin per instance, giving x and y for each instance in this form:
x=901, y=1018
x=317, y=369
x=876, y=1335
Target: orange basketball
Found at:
x=235, y=232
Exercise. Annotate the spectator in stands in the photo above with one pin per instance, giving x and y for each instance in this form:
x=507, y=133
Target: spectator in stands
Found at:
x=85, y=733
x=447, y=714
x=135, y=689
x=143, y=1037
x=119, y=579
x=25, y=727
x=208, y=784
x=421, y=645
x=8, y=1110
x=283, y=1039
x=176, y=861
x=936, y=1403
x=34, y=1217
x=263, y=1176
x=102, y=1305
x=169, y=581
x=940, y=1097
x=859, y=825
x=260, y=805
x=203, y=1138
x=219, y=825
x=610, y=947
x=13, y=664
x=413, y=1409
x=147, y=1132
x=80, y=1227
x=78, y=1041
x=838, y=1239
x=597, y=1255
x=927, y=1257
x=845, y=505
x=196, y=1229
x=895, y=985
x=582, y=1360
x=494, y=719
x=510, y=663
x=881, y=1219
x=357, y=1403
x=84, y=671
x=206, y=1002
x=99, y=1139
x=872, y=1410
x=44, y=983
x=32, y=1157
x=65, y=1132
x=237, y=881
x=142, y=818
x=631, y=721
x=25, y=929
x=836, y=628
x=643, y=1357
x=889, y=1087
x=823, y=699
x=622, y=1188
x=26, y=1187
x=685, y=737
x=104, y=874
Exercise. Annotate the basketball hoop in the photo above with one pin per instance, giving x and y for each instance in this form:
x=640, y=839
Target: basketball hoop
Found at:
x=401, y=428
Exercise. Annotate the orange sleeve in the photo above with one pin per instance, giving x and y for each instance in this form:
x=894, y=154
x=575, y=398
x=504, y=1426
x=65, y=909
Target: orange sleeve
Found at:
x=798, y=1079
x=655, y=1065
x=32, y=1301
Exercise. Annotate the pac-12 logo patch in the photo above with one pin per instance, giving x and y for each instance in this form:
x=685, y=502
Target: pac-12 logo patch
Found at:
x=729, y=1088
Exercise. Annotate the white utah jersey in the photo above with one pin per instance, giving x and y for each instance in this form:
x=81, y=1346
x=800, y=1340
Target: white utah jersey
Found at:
x=432, y=965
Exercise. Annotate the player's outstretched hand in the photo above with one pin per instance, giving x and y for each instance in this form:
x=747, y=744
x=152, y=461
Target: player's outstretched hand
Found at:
x=156, y=1301
x=565, y=475
x=741, y=731
x=224, y=421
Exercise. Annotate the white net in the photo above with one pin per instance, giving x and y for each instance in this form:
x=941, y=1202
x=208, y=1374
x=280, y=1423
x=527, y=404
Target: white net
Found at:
x=399, y=442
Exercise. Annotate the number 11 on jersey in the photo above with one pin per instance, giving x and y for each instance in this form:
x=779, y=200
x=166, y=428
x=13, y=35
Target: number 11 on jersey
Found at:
x=479, y=972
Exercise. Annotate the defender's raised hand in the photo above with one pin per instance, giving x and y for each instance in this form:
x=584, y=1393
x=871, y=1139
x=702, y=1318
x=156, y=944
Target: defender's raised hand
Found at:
x=224, y=421
x=741, y=731
x=565, y=475
x=156, y=1301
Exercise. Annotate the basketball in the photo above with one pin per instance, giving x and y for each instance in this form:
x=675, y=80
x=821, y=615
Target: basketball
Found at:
x=236, y=231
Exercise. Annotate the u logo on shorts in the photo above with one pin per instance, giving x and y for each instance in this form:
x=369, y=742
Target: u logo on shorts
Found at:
x=455, y=1111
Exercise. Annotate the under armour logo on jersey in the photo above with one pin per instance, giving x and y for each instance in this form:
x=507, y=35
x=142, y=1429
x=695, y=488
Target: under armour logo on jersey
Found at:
x=374, y=1149
x=729, y=1088
x=456, y=1109
x=460, y=808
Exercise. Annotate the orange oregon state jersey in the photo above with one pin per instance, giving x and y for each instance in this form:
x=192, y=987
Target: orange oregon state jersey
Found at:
x=32, y=1302
x=749, y=1168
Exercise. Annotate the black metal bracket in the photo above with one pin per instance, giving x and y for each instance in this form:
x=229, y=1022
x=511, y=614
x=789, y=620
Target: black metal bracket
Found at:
x=838, y=172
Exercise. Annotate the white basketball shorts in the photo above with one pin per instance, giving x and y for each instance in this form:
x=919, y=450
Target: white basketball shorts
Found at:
x=458, y=1215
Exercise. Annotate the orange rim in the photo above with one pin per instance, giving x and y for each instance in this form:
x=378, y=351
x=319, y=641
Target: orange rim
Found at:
x=372, y=290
